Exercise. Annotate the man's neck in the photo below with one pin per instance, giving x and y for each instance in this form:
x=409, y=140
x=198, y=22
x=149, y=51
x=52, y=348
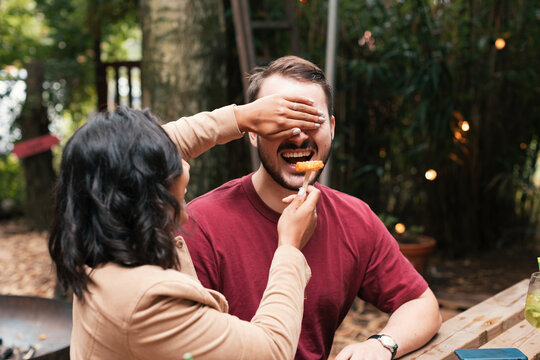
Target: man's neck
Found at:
x=270, y=191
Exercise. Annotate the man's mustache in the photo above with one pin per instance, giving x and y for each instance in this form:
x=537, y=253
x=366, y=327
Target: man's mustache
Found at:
x=308, y=144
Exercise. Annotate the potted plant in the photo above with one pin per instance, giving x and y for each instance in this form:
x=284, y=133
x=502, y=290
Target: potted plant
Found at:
x=416, y=246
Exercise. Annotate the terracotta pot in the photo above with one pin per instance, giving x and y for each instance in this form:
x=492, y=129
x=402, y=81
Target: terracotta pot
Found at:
x=417, y=249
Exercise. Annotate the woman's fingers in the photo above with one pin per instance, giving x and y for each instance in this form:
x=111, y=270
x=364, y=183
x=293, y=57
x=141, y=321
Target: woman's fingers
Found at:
x=299, y=110
x=299, y=219
x=302, y=105
x=283, y=134
x=302, y=117
x=288, y=199
x=299, y=199
x=299, y=100
x=287, y=133
x=313, y=195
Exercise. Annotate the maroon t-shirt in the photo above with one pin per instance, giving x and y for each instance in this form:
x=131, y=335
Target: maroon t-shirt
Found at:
x=232, y=236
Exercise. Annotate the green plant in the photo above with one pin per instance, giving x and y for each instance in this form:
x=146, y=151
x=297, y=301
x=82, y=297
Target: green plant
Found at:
x=399, y=229
x=420, y=85
x=11, y=179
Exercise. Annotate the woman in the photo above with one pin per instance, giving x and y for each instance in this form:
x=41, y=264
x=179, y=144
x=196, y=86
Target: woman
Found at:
x=119, y=198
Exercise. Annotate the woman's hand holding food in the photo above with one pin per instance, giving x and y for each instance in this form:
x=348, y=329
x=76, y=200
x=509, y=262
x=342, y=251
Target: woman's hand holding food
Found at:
x=298, y=220
x=278, y=116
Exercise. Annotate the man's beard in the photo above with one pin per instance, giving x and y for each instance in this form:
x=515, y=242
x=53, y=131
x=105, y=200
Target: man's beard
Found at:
x=274, y=171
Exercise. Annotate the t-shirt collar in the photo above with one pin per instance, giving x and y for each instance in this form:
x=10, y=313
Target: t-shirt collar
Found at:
x=256, y=201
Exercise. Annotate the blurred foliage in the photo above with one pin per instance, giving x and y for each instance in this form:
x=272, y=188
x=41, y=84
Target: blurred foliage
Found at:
x=62, y=34
x=11, y=180
x=410, y=74
x=22, y=32
x=397, y=228
x=123, y=42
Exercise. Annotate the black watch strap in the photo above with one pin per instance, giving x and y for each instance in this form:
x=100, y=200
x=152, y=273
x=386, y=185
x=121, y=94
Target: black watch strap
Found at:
x=386, y=341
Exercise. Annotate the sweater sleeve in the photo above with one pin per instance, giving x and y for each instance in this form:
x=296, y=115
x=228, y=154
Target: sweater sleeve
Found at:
x=193, y=135
x=207, y=333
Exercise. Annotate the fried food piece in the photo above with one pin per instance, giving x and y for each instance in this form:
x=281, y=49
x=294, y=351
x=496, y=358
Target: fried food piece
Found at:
x=307, y=167
x=302, y=166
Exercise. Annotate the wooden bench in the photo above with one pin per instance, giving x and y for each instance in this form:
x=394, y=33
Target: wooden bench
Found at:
x=497, y=322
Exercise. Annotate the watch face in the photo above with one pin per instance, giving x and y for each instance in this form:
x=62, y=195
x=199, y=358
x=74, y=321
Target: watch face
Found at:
x=388, y=341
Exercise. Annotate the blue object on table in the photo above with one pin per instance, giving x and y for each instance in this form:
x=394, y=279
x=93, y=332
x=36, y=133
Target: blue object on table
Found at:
x=490, y=354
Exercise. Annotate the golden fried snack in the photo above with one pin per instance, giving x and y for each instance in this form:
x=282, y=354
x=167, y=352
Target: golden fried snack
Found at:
x=308, y=167
x=302, y=166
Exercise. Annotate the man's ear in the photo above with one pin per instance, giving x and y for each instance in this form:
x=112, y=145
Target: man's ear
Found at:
x=332, y=125
x=253, y=139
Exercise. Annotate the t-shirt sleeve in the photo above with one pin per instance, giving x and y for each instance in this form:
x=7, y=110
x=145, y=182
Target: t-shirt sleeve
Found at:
x=390, y=279
x=203, y=254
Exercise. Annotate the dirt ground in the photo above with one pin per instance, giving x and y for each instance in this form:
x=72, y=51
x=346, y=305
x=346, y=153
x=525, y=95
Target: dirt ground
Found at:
x=458, y=284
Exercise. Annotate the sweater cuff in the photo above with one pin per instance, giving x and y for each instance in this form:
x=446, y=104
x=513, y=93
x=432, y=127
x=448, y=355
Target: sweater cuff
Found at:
x=230, y=130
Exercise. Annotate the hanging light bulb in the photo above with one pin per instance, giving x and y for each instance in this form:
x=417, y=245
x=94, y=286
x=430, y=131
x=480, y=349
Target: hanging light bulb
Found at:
x=431, y=175
x=400, y=228
x=500, y=43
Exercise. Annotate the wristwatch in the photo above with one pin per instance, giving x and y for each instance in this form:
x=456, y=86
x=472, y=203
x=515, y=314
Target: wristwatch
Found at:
x=387, y=342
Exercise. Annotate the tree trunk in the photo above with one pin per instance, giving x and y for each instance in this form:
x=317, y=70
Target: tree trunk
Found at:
x=235, y=95
x=183, y=70
x=38, y=170
x=101, y=72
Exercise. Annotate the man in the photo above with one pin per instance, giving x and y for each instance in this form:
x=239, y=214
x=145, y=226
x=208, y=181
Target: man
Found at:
x=232, y=236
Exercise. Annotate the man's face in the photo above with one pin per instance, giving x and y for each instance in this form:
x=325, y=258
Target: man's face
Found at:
x=279, y=157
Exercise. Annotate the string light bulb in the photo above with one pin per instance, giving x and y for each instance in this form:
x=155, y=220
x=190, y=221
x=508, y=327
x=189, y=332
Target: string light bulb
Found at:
x=431, y=175
x=500, y=43
x=400, y=228
x=465, y=126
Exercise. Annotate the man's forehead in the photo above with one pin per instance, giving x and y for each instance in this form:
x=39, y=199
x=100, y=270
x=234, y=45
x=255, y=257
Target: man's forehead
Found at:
x=278, y=84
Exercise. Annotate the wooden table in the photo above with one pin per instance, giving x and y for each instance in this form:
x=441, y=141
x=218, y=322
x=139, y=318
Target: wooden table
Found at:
x=497, y=322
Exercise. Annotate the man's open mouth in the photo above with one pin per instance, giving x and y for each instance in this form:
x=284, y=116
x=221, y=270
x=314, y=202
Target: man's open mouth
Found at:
x=293, y=156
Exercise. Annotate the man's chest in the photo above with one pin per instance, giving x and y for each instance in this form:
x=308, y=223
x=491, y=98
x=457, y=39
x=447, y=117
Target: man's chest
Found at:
x=336, y=272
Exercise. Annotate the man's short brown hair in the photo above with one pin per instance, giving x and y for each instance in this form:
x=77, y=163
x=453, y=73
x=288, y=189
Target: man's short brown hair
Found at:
x=292, y=67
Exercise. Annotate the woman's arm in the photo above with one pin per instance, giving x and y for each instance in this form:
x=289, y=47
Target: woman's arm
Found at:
x=196, y=134
x=168, y=327
x=271, y=116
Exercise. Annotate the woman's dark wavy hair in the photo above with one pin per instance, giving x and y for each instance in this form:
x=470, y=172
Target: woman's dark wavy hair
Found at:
x=112, y=200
